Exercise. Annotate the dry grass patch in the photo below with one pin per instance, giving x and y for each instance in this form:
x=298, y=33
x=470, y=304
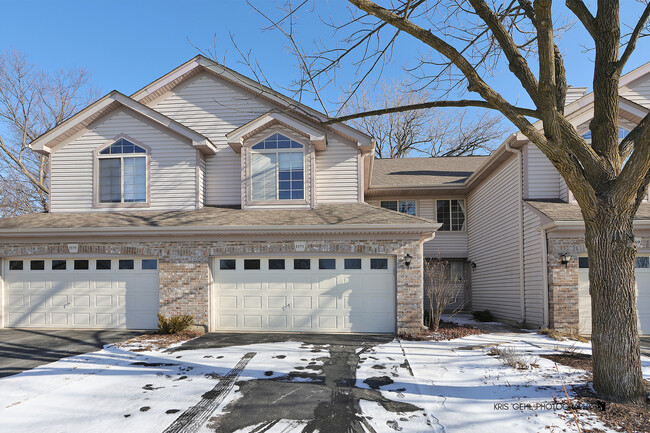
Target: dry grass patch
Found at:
x=156, y=341
x=446, y=331
x=563, y=336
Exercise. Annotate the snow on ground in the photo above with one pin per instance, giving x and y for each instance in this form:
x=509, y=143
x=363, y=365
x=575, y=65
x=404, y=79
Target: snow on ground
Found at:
x=457, y=384
x=463, y=389
x=117, y=390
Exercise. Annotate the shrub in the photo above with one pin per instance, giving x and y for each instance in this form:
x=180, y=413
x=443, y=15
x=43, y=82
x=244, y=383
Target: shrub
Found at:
x=441, y=290
x=483, y=316
x=174, y=324
x=509, y=356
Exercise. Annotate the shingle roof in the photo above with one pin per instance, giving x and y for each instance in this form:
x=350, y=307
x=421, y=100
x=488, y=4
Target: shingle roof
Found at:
x=560, y=211
x=424, y=171
x=333, y=215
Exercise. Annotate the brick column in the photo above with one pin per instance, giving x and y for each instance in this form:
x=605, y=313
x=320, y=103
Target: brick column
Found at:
x=563, y=284
x=409, y=289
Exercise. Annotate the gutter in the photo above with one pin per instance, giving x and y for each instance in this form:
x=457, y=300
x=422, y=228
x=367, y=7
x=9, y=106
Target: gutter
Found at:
x=225, y=230
x=520, y=174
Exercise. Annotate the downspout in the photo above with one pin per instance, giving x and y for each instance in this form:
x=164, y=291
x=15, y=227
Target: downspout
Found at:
x=522, y=288
x=545, y=318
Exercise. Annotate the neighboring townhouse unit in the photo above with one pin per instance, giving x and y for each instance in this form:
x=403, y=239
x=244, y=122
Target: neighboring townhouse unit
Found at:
x=206, y=193
x=512, y=221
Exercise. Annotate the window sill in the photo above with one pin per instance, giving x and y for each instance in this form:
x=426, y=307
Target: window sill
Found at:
x=121, y=205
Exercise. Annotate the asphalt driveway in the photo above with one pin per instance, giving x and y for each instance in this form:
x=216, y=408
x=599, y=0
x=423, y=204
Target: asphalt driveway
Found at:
x=329, y=401
x=24, y=349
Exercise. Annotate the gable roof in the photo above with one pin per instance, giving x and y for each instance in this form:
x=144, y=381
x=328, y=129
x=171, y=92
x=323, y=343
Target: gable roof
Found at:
x=213, y=220
x=47, y=142
x=201, y=64
x=237, y=136
x=418, y=172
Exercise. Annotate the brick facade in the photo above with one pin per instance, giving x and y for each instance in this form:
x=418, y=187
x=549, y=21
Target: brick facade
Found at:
x=185, y=276
x=564, y=314
x=563, y=284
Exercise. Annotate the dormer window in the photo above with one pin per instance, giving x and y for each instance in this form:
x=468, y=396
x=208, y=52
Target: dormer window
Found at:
x=277, y=169
x=122, y=173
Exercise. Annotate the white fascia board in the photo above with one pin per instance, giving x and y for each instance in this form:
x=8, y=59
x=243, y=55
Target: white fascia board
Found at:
x=225, y=230
x=199, y=141
x=316, y=137
x=166, y=79
x=39, y=144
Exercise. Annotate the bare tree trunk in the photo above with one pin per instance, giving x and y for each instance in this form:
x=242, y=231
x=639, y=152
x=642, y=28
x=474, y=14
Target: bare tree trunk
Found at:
x=615, y=339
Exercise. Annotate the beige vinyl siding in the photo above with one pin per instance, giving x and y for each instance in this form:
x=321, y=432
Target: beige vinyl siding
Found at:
x=638, y=91
x=172, y=163
x=564, y=191
x=541, y=179
x=447, y=245
x=337, y=173
x=533, y=269
x=426, y=208
x=494, y=244
x=214, y=108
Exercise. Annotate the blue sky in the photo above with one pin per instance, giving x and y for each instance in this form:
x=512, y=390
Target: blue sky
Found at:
x=127, y=44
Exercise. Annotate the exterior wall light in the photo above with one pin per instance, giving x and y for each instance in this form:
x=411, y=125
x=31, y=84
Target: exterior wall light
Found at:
x=407, y=260
x=565, y=258
x=473, y=265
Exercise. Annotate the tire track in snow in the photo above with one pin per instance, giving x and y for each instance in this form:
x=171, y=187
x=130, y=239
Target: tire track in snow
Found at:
x=193, y=418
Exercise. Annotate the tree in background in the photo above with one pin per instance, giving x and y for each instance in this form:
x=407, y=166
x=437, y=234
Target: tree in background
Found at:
x=463, y=44
x=425, y=132
x=31, y=103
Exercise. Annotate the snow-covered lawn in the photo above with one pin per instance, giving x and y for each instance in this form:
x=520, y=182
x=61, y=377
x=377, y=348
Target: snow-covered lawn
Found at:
x=457, y=384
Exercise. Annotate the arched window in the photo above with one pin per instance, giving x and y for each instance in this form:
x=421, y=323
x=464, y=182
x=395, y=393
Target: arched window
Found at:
x=277, y=169
x=123, y=173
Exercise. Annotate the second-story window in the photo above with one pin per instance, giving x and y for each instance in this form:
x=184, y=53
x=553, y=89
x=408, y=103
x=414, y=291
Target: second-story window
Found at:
x=123, y=173
x=403, y=206
x=451, y=214
x=277, y=169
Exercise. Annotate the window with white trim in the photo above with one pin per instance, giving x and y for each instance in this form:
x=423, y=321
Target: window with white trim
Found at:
x=451, y=214
x=122, y=173
x=277, y=169
x=404, y=206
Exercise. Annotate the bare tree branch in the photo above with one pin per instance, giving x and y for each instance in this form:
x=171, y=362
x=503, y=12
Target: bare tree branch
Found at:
x=426, y=105
x=634, y=37
x=581, y=11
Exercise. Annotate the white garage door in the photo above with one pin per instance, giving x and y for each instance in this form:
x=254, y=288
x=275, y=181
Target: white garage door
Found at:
x=81, y=293
x=317, y=294
x=642, y=289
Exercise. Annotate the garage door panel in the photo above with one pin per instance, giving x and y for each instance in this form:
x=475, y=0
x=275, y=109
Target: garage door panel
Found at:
x=299, y=302
x=15, y=301
x=278, y=322
x=89, y=298
x=253, y=321
x=327, y=301
x=37, y=319
x=314, y=300
x=227, y=301
x=302, y=322
x=60, y=319
x=253, y=302
x=327, y=322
